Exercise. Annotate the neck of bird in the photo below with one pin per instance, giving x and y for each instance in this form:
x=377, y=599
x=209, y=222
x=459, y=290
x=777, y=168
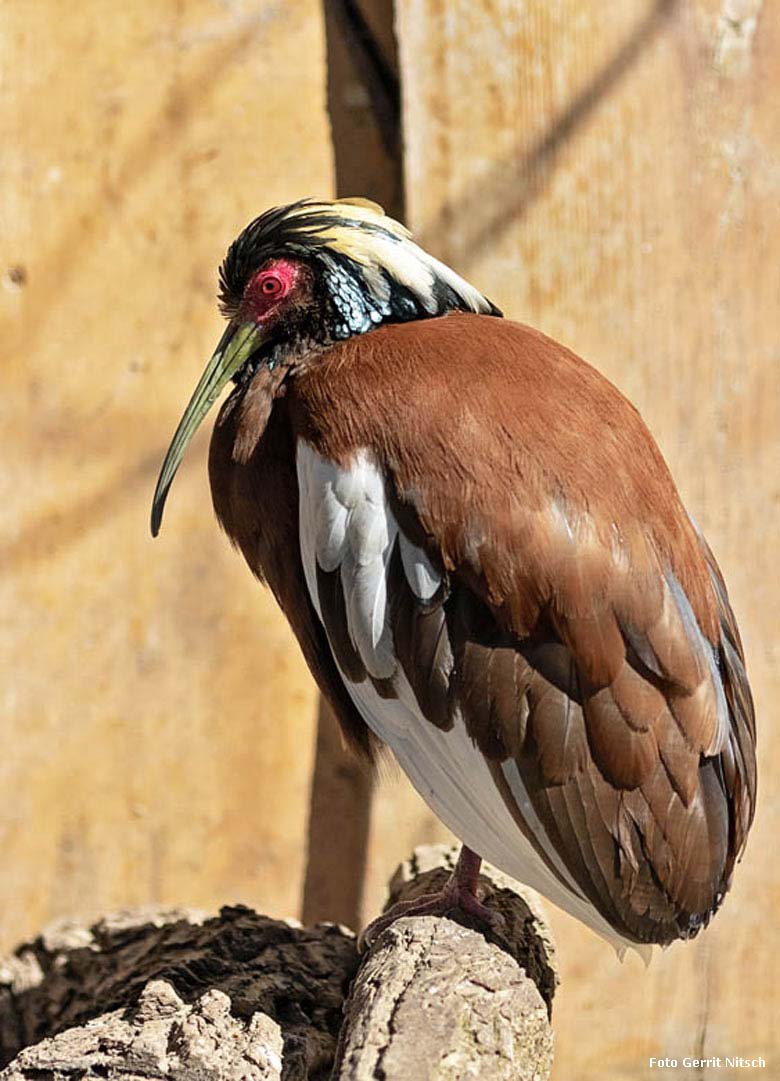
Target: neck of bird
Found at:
x=345, y=312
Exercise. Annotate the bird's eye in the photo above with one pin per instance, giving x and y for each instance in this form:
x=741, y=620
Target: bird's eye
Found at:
x=271, y=286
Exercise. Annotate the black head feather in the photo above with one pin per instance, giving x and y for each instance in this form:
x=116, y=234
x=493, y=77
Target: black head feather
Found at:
x=354, y=247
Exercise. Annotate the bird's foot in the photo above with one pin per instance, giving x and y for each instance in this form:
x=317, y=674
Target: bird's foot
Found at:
x=458, y=893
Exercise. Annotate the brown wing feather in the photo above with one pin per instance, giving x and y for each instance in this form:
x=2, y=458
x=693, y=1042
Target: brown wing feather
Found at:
x=255, y=494
x=585, y=634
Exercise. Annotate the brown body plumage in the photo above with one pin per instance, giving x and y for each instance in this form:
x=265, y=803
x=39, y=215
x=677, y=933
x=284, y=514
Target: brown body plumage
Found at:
x=577, y=624
x=485, y=426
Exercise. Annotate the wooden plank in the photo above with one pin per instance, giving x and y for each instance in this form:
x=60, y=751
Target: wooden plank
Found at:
x=338, y=829
x=611, y=174
x=157, y=718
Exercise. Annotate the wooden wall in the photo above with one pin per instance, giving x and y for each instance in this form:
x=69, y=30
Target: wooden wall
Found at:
x=157, y=723
x=610, y=173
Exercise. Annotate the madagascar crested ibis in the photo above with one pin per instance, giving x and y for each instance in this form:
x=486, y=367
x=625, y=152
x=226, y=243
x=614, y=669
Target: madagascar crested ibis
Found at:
x=487, y=565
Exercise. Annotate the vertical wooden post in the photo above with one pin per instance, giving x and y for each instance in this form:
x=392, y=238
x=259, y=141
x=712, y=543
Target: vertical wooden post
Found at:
x=339, y=822
x=364, y=101
x=364, y=110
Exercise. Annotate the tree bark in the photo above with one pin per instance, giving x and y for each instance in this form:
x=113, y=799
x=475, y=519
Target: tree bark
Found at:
x=241, y=997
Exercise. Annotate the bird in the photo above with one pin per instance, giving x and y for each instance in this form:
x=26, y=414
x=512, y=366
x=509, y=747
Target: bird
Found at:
x=488, y=568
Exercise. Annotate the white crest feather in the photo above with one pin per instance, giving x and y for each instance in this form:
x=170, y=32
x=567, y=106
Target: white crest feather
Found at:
x=360, y=230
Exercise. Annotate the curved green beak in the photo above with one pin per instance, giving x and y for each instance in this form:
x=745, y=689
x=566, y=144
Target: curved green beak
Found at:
x=236, y=346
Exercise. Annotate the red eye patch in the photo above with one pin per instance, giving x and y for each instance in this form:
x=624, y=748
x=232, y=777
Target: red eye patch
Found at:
x=269, y=285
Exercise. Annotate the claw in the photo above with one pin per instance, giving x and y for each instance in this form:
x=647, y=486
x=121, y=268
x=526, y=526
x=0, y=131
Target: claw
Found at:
x=458, y=892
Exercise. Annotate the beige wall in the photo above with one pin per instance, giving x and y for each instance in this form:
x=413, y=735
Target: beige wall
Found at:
x=157, y=725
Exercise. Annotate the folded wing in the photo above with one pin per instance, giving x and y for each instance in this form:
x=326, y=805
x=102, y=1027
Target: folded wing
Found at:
x=560, y=676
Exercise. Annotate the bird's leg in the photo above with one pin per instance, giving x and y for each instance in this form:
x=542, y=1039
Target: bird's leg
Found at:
x=459, y=891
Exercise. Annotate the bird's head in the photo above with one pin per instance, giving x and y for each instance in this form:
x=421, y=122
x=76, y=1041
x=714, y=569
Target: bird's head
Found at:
x=300, y=278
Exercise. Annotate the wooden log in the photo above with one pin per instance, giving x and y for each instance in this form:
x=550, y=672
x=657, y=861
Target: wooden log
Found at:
x=159, y=1037
x=125, y=992
x=242, y=997
x=437, y=999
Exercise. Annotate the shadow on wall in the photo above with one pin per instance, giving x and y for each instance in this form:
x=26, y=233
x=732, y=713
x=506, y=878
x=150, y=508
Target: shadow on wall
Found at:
x=514, y=183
